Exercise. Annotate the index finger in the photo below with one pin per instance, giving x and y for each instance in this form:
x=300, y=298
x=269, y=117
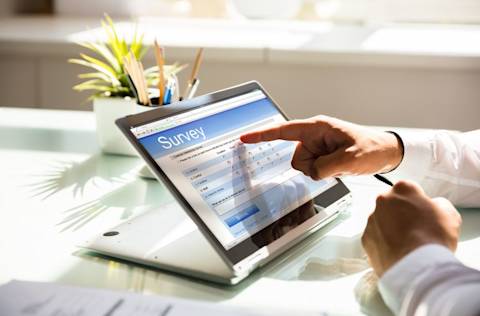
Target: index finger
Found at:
x=287, y=131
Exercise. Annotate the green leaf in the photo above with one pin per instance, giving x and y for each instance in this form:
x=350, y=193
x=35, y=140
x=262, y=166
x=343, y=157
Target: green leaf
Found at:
x=111, y=27
x=95, y=66
x=83, y=87
x=98, y=86
x=99, y=63
x=102, y=50
x=142, y=52
x=123, y=47
x=137, y=48
x=112, y=42
x=97, y=75
x=167, y=69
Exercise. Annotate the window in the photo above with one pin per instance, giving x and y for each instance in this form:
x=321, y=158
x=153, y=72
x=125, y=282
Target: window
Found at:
x=348, y=11
x=429, y=11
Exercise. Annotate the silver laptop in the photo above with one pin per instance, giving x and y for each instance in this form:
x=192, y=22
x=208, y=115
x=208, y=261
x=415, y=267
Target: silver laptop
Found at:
x=237, y=206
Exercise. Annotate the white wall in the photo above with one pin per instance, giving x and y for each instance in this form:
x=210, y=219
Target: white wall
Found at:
x=416, y=97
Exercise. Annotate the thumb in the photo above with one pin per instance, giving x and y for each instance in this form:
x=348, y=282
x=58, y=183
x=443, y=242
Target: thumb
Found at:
x=329, y=165
x=446, y=206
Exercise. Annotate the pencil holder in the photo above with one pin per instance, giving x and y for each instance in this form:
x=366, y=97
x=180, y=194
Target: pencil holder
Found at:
x=109, y=137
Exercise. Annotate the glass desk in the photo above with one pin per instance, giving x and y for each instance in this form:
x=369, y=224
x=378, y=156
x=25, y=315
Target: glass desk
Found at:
x=56, y=190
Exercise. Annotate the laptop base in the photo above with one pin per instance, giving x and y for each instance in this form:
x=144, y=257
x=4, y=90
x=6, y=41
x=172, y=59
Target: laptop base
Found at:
x=166, y=239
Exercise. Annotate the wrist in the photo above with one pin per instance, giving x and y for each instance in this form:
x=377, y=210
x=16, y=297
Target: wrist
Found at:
x=394, y=151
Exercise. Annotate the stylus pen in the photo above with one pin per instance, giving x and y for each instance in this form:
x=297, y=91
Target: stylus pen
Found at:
x=383, y=179
x=193, y=88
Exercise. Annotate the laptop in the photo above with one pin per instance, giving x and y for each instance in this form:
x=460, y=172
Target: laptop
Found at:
x=237, y=206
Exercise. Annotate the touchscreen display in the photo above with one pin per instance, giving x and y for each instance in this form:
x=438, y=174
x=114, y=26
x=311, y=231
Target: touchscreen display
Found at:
x=236, y=189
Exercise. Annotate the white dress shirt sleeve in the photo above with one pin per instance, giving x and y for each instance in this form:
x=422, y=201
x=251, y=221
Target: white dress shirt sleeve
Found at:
x=445, y=164
x=430, y=280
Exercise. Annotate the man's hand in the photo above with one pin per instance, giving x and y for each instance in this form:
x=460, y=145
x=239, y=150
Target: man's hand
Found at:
x=332, y=147
x=404, y=219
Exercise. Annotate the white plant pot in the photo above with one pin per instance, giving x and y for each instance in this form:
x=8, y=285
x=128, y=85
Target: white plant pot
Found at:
x=107, y=110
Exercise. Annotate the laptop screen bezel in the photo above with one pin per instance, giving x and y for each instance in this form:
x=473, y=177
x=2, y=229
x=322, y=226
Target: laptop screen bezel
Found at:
x=246, y=247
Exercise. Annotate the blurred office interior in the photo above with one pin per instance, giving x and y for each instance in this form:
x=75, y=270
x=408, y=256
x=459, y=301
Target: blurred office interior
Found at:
x=413, y=63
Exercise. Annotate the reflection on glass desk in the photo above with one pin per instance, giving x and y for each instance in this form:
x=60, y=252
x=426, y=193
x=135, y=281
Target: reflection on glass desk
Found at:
x=56, y=189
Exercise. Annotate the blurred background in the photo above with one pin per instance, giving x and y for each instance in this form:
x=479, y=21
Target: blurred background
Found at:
x=412, y=63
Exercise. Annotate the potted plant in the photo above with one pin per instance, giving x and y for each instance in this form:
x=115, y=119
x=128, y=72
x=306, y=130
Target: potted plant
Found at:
x=113, y=95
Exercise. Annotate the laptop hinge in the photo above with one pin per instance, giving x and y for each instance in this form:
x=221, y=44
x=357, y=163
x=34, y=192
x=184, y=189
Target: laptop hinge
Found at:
x=250, y=263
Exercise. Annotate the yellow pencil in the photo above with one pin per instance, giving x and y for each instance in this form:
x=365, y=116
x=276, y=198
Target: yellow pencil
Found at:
x=144, y=83
x=161, y=78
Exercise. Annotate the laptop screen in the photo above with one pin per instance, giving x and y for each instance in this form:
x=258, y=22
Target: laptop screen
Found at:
x=236, y=189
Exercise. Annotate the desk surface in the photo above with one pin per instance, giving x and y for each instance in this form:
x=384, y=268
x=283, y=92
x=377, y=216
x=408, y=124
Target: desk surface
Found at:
x=56, y=189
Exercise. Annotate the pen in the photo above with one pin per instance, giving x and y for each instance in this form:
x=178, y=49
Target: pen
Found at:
x=193, y=89
x=383, y=179
x=172, y=92
x=168, y=96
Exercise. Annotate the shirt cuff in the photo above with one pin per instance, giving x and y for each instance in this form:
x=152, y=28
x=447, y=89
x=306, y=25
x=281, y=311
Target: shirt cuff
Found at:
x=418, y=151
x=396, y=282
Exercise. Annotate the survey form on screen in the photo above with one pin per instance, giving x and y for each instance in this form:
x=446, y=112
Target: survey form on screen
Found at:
x=236, y=188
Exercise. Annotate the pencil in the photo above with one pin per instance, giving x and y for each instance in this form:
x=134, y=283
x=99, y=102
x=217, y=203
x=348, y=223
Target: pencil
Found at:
x=138, y=77
x=135, y=71
x=144, y=83
x=131, y=80
x=161, y=78
x=196, y=65
x=131, y=69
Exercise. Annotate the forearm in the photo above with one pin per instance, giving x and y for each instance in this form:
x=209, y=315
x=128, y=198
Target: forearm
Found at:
x=445, y=163
x=430, y=281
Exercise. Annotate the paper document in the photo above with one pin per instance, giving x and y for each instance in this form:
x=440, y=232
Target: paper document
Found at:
x=48, y=299
x=39, y=299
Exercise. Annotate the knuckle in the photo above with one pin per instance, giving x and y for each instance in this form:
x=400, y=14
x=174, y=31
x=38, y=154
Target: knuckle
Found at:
x=402, y=185
x=448, y=207
x=348, y=157
x=368, y=229
x=294, y=164
x=459, y=219
x=363, y=239
x=315, y=174
x=405, y=186
x=443, y=202
x=322, y=119
x=370, y=221
x=381, y=199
